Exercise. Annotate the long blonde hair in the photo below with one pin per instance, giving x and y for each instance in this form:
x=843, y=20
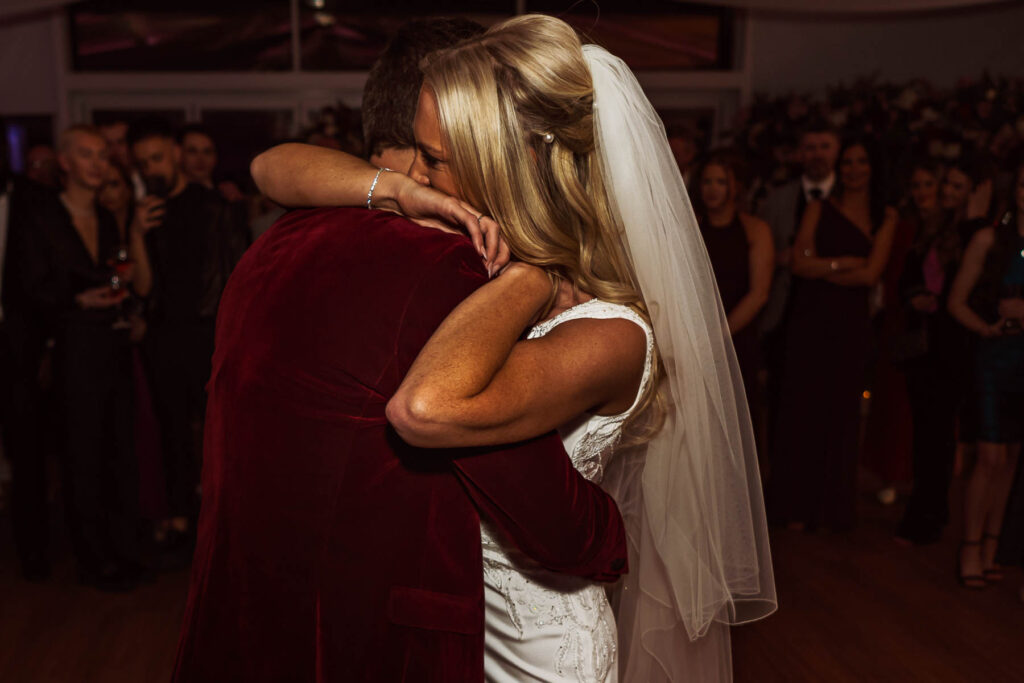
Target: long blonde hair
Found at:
x=516, y=110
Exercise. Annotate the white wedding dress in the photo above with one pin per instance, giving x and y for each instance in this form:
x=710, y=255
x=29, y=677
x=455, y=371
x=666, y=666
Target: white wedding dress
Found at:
x=540, y=625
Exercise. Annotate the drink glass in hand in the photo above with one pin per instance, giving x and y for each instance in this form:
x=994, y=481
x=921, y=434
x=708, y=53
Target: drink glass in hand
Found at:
x=117, y=284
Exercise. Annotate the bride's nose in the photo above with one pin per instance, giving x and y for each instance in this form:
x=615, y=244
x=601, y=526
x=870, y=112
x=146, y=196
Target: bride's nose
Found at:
x=418, y=170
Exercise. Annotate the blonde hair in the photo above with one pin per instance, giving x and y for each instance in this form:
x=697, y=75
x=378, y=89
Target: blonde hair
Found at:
x=499, y=96
x=67, y=136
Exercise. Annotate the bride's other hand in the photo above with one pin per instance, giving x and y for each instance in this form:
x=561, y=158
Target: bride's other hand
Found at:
x=295, y=175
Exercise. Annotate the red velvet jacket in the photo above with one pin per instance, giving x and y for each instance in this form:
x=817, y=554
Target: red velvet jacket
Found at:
x=328, y=550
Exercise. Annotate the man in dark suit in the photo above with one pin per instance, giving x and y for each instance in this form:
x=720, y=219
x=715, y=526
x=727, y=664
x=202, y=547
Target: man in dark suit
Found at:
x=192, y=242
x=783, y=209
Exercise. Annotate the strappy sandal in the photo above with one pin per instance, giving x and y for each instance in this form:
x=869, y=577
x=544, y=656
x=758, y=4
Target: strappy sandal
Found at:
x=995, y=572
x=971, y=581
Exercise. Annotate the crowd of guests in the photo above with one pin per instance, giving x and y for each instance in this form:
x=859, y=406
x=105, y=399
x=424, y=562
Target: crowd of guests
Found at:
x=868, y=245
x=872, y=246
x=112, y=272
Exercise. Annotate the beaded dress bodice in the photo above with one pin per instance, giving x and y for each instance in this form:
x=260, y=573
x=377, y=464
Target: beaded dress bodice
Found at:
x=536, y=598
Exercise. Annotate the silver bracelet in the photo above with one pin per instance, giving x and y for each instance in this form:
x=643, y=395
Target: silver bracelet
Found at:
x=373, y=186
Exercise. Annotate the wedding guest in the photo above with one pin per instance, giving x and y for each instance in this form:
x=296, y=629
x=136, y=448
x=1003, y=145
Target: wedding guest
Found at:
x=840, y=252
x=888, y=438
x=116, y=197
x=65, y=271
x=987, y=298
x=930, y=346
x=22, y=347
x=41, y=166
x=198, y=155
x=967, y=192
x=743, y=257
x=685, y=145
x=782, y=210
x=966, y=196
x=199, y=160
x=193, y=241
x=116, y=134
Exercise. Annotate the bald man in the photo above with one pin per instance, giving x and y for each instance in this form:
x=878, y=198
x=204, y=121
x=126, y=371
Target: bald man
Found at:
x=69, y=241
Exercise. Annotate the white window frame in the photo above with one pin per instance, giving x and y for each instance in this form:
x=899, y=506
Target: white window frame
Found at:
x=306, y=92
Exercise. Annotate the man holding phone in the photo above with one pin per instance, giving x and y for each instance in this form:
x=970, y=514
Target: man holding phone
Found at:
x=193, y=242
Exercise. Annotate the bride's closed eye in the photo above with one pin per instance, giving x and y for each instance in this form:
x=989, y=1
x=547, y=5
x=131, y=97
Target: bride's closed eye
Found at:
x=430, y=160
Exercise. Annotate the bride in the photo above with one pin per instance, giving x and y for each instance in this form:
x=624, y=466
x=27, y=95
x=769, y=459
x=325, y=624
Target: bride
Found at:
x=627, y=350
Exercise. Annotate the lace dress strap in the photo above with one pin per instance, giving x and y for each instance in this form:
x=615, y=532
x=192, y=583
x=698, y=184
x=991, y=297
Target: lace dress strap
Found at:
x=604, y=310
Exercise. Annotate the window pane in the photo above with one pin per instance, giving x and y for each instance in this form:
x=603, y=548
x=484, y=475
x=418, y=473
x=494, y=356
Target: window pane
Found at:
x=652, y=35
x=103, y=117
x=241, y=134
x=346, y=36
x=183, y=36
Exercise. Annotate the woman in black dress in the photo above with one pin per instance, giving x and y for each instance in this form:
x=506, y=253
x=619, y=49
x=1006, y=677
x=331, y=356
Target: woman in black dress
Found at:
x=743, y=257
x=840, y=253
x=931, y=347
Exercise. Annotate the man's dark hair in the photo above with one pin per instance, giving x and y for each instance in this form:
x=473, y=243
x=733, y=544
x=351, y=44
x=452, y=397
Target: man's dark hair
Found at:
x=197, y=128
x=150, y=127
x=819, y=125
x=393, y=86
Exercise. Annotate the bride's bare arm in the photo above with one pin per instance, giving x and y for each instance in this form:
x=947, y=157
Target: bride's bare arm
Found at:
x=296, y=175
x=475, y=384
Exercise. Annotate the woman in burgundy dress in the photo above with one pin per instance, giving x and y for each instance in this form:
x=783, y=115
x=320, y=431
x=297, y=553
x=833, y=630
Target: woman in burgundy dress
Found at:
x=888, y=440
x=840, y=253
x=743, y=257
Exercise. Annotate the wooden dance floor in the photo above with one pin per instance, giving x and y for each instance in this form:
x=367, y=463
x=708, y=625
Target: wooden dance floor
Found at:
x=857, y=608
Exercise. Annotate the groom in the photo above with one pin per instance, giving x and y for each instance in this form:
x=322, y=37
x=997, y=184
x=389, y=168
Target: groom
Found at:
x=329, y=550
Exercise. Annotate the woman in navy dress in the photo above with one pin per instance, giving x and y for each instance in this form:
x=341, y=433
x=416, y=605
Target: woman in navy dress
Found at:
x=988, y=299
x=840, y=253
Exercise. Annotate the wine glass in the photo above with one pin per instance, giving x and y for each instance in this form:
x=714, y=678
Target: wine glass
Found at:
x=121, y=267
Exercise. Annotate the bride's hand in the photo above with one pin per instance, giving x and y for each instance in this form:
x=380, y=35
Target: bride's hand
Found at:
x=434, y=209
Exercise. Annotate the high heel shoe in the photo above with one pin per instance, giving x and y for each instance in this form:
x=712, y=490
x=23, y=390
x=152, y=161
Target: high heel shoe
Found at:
x=995, y=572
x=971, y=581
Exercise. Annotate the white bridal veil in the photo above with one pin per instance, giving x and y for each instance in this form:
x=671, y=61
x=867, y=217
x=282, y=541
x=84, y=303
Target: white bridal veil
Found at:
x=691, y=497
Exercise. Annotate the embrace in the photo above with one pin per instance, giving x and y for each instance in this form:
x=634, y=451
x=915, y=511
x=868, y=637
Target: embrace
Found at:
x=521, y=455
